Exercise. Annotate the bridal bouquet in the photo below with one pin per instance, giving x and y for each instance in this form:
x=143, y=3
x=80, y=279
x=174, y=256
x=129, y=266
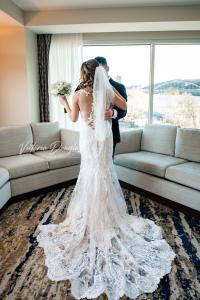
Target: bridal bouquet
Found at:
x=61, y=88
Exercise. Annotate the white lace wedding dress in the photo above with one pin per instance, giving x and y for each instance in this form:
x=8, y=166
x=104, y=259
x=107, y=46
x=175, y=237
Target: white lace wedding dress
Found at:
x=99, y=247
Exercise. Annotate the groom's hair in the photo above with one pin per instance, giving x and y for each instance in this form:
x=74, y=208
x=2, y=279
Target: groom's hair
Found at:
x=101, y=60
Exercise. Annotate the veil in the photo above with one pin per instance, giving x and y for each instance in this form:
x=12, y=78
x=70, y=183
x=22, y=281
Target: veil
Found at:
x=103, y=95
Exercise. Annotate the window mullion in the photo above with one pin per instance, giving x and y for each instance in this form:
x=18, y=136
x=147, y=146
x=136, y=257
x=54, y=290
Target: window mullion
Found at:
x=151, y=82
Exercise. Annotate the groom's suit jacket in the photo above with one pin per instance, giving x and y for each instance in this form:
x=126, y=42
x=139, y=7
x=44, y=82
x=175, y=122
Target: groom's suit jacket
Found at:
x=120, y=113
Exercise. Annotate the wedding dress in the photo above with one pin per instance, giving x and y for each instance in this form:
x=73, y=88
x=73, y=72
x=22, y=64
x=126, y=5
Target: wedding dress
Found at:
x=99, y=247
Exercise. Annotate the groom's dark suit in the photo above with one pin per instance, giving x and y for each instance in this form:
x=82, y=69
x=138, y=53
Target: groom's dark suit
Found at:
x=120, y=113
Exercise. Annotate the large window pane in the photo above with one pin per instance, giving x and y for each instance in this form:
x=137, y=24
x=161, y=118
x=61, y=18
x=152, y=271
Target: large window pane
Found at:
x=130, y=66
x=177, y=85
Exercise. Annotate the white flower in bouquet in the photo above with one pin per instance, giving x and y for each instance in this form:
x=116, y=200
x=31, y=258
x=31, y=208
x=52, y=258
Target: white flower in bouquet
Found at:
x=61, y=88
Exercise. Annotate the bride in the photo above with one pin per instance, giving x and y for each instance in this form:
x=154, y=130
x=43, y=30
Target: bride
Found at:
x=99, y=247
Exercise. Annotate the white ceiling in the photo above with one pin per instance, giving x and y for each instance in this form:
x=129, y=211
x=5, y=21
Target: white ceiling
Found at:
x=31, y=5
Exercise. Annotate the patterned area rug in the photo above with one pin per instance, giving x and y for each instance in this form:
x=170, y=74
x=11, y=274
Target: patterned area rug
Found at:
x=22, y=269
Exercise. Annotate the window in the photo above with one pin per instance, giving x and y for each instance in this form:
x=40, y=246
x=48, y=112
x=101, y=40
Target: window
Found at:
x=175, y=79
x=177, y=85
x=130, y=66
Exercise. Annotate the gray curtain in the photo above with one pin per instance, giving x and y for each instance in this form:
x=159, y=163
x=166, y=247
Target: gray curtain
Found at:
x=43, y=47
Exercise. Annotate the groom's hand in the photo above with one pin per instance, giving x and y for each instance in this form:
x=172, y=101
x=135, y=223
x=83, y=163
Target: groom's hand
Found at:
x=108, y=114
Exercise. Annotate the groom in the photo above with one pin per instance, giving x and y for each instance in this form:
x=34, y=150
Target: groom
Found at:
x=116, y=113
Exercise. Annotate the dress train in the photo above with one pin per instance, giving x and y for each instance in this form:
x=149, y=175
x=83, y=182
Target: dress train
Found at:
x=99, y=247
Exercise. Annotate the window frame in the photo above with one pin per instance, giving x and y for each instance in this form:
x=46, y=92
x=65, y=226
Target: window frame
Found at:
x=152, y=45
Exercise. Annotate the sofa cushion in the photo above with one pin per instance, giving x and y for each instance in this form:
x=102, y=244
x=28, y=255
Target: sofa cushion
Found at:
x=69, y=139
x=148, y=162
x=188, y=144
x=22, y=165
x=187, y=174
x=59, y=158
x=130, y=141
x=46, y=135
x=4, y=176
x=159, y=138
x=15, y=140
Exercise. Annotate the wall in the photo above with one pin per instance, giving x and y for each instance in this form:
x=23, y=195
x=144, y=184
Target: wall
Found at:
x=32, y=75
x=18, y=76
x=12, y=10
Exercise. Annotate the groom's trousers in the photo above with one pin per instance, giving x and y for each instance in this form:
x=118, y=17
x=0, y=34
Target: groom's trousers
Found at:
x=114, y=145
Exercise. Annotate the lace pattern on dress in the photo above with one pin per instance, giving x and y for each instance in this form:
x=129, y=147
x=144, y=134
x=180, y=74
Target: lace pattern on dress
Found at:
x=99, y=247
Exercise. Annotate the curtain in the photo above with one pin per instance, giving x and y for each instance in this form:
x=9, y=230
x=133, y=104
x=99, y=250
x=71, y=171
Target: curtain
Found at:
x=65, y=59
x=43, y=46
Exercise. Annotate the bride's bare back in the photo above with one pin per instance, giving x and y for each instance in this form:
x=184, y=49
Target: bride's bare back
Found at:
x=85, y=102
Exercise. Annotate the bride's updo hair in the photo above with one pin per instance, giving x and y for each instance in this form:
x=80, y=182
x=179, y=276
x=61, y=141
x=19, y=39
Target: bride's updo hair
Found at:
x=87, y=72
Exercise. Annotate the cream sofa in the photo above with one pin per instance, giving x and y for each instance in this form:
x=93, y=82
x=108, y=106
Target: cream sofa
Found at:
x=162, y=159
x=34, y=156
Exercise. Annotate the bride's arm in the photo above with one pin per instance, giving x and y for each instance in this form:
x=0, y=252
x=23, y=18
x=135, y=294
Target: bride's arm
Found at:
x=73, y=112
x=118, y=100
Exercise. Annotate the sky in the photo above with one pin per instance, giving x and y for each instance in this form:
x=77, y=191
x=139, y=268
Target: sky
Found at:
x=132, y=62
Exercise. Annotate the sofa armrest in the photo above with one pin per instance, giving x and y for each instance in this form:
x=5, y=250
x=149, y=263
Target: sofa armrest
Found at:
x=130, y=141
x=69, y=139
